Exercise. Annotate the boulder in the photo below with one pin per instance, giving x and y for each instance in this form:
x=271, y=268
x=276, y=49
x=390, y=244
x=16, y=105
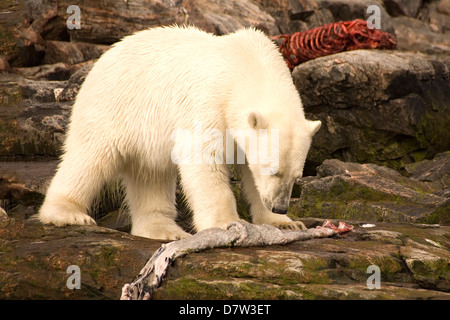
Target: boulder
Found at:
x=41, y=90
x=221, y=17
x=36, y=267
x=54, y=72
x=418, y=36
x=427, y=266
x=345, y=190
x=101, y=22
x=388, y=108
x=435, y=172
x=35, y=106
x=289, y=16
x=75, y=81
x=293, y=16
x=443, y=7
x=34, y=175
x=72, y=52
x=15, y=45
x=403, y=7
x=23, y=185
x=108, y=21
x=32, y=122
x=436, y=14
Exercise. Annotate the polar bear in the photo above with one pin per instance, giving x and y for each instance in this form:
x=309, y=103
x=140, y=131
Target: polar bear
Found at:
x=158, y=81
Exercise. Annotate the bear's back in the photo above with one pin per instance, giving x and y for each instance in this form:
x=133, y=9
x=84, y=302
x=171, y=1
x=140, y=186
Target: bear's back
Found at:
x=170, y=73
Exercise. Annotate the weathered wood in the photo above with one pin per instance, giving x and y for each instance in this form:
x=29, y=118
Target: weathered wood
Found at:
x=238, y=234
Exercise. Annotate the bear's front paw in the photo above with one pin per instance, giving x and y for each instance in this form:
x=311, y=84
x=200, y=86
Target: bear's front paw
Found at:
x=280, y=221
x=68, y=218
x=168, y=232
x=293, y=225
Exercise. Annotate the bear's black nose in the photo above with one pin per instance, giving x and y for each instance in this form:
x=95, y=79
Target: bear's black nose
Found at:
x=279, y=210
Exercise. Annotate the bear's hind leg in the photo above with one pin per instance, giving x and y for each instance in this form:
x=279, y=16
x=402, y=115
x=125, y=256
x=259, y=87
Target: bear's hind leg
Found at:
x=152, y=206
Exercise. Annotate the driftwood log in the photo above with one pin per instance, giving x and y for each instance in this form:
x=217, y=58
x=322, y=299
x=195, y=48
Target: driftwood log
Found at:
x=237, y=234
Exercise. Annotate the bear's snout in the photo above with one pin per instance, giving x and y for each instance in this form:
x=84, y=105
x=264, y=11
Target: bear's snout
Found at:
x=279, y=210
x=280, y=201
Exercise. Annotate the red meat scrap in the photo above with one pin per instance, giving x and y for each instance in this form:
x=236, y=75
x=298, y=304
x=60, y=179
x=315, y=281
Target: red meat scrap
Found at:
x=341, y=228
x=336, y=37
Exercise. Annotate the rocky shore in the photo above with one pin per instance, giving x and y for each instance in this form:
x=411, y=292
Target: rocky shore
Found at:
x=380, y=159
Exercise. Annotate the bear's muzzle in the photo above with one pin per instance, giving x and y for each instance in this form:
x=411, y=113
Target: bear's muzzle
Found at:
x=279, y=210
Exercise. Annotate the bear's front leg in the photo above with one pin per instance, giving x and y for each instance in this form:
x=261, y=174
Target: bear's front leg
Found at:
x=260, y=214
x=152, y=205
x=208, y=193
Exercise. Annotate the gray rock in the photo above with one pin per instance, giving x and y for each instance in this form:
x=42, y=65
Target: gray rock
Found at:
x=427, y=267
x=436, y=14
x=34, y=265
x=293, y=16
x=23, y=185
x=376, y=106
x=41, y=90
x=403, y=7
x=76, y=80
x=435, y=172
x=369, y=192
x=34, y=175
x=33, y=128
x=444, y=7
x=35, y=110
x=221, y=17
x=54, y=72
x=416, y=35
x=384, y=236
x=108, y=21
x=72, y=52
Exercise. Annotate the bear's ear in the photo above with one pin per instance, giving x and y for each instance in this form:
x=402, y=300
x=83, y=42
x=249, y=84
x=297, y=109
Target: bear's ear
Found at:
x=314, y=126
x=257, y=121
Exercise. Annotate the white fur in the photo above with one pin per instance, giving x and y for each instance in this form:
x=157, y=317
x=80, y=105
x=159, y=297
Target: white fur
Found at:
x=163, y=79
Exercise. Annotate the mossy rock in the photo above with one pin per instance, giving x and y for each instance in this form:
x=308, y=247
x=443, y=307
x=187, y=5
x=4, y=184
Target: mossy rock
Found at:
x=369, y=192
x=319, y=269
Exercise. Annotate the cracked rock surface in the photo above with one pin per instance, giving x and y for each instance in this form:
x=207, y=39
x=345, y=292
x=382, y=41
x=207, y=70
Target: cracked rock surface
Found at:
x=413, y=260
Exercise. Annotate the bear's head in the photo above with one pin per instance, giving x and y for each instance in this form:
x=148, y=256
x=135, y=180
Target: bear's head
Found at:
x=283, y=144
x=264, y=101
